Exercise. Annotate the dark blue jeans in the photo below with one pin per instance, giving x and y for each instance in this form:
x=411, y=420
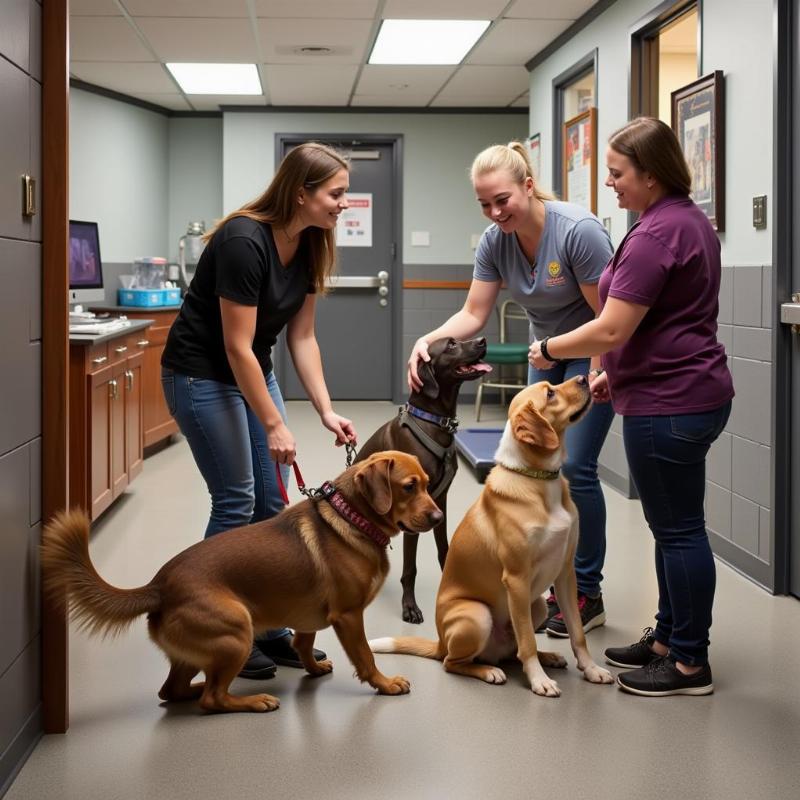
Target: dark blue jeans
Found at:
x=667, y=459
x=230, y=448
x=584, y=442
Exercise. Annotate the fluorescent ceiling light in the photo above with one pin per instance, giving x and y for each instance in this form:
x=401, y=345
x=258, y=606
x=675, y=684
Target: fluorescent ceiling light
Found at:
x=426, y=41
x=217, y=78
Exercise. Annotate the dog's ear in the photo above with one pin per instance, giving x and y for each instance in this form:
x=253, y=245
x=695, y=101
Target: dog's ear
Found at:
x=529, y=426
x=374, y=482
x=430, y=386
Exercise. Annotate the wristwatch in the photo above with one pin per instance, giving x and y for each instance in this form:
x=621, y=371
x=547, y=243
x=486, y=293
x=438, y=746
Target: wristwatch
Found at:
x=543, y=349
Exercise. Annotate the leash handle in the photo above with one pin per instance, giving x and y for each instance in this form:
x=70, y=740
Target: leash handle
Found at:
x=350, y=450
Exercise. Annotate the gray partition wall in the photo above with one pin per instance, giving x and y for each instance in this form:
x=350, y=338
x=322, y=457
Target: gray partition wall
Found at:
x=20, y=397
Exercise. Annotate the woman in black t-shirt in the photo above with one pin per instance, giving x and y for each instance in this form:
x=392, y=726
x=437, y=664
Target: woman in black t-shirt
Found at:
x=260, y=272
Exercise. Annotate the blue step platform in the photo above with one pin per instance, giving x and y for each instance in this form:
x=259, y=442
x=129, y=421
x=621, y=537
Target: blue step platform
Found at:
x=477, y=446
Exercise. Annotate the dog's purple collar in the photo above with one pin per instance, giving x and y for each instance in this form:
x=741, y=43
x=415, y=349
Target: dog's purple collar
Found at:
x=449, y=424
x=330, y=493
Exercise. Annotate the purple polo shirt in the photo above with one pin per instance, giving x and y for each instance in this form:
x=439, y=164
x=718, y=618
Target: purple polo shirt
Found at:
x=669, y=261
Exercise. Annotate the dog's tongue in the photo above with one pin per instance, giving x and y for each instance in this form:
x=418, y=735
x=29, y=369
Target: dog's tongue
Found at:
x=481, y=366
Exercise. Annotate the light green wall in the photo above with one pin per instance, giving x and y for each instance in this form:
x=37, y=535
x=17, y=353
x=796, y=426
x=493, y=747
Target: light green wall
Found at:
x=195, y=175
x=119, y=174
x=437, y=152
x=740, y=45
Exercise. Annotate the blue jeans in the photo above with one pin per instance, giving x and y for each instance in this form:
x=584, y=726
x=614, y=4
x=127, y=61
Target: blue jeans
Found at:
x=584, y=442
x=667, y=459
x=230, y=448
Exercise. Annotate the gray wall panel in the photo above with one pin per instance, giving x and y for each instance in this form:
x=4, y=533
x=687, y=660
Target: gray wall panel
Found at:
x=35, y=450
x=20, y=697
x=15, y=150
x=19, y=603
x=34, y=224
x=35, y=45
x=15, y=32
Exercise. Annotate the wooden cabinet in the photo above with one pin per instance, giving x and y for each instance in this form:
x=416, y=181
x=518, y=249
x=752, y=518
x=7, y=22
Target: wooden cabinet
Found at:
x=106, y=413
x=157, y=423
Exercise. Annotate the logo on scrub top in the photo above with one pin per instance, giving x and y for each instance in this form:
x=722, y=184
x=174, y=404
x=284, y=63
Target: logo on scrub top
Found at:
x=555, y=278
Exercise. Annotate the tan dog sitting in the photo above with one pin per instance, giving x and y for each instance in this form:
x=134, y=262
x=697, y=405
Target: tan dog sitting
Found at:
x=318, y=563
x=517, y=539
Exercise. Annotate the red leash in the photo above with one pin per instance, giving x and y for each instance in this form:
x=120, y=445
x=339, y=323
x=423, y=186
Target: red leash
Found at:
x=301, y=484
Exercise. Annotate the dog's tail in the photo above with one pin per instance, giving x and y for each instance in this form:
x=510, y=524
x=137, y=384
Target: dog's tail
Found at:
x=408, y=645
x=67, y=570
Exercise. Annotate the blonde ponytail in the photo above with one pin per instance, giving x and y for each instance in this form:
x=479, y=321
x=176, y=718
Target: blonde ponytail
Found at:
x=511, y=157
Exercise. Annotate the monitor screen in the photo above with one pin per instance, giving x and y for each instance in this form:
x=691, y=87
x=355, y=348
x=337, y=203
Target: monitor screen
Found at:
x=85, y=267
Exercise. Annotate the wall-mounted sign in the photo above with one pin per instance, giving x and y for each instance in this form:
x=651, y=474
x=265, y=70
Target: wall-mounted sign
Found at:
x=354, y=227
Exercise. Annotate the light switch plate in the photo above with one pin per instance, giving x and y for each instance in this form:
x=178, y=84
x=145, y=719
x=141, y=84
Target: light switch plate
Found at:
x=760, y=212
x=420, y=239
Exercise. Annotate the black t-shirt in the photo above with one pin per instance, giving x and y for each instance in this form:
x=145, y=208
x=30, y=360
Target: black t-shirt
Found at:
x=241, y=264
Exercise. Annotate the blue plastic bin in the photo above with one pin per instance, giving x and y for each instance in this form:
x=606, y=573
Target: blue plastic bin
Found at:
x=149, y=298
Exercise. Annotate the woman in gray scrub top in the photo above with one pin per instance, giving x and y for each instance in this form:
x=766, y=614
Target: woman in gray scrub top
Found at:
x=550, y=255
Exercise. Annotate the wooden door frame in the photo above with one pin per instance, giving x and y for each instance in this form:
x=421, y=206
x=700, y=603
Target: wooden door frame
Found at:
x=55, y=339
x=395, y=140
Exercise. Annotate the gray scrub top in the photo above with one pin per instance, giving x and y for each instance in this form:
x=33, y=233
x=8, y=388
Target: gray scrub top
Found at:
x=574, y=249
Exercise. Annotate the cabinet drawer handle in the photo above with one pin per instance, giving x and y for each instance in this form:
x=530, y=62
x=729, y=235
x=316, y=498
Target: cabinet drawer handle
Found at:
x=143, y=342
x=129, y=379
x=112, y=389
x=100, y=360
x=121, y=349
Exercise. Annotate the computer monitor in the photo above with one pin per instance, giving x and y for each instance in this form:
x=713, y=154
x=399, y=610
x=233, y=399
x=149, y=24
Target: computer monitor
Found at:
x=85, y=266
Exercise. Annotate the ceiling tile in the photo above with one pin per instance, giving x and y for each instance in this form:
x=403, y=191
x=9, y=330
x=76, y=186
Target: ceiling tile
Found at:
x=105, y=39
x=522, y=102
x=399, y=100
x=281, y=37
x=186, y=8
x=316, y=9
x=212, y=102
x=476, y=100
x=443, y=9
x=94, y=8
x=487, y=79
x=309, y=85
x=125, y=77
x=516, y=41
x=401, y=80
x=203, y=40
x=546, y=9
x=174, y=102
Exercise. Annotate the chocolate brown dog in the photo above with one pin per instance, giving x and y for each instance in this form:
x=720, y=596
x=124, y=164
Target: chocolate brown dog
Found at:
x=318, y=563
x=425, y=428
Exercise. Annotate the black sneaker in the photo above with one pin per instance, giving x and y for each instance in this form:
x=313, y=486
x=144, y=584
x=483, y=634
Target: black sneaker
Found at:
x=662, y=677
x=552, y=610
x=593, y=614
x=258, y=667
x=281, y=651
x=635, y=655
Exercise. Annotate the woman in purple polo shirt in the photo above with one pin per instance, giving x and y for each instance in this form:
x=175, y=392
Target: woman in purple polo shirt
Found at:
x=667, y=375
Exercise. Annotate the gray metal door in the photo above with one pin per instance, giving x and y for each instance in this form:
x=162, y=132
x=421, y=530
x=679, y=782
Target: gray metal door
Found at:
x=356, y=321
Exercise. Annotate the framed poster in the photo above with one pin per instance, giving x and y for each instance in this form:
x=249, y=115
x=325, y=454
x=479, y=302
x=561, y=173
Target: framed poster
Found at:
x=535, y=155
x=579, y=168
x=354, y=226
x=698, y=119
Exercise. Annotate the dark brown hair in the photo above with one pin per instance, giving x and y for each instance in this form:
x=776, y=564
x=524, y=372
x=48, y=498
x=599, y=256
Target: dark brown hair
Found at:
x=306, y=166
x=652, y=146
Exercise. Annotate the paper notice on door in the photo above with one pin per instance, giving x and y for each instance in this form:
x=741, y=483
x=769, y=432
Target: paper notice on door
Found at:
x=354, y=226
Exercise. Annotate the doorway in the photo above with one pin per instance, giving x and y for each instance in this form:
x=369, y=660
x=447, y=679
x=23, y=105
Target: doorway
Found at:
x=358, y=321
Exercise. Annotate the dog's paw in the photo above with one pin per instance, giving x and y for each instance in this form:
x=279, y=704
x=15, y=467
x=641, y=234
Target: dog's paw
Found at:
x=555, y=660
x=323, y=667
x=263, y=702
x=494, y=675
x=412, y=613
x=396, y=685
x=595, y=674
x=545, y=687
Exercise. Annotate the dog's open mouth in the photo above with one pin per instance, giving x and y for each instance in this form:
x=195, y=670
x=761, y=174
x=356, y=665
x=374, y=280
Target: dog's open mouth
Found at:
x=405, y=528
x=475, y=370
x=579, y=413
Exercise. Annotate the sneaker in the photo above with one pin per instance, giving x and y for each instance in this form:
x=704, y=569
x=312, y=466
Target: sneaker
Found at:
x=258, y=667
x=552, y=610
x=662, y=677
x=281, y=651
x=593, y=614
x=634, y=655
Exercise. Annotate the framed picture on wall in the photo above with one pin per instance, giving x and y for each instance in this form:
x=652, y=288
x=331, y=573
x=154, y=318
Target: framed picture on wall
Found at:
x=535, y=154
x=698, y=119
x=578, y=165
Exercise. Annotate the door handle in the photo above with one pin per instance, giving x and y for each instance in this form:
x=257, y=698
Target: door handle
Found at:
x=112, y=389
x=790, y=313
x=129, y=379
x=353, y=282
